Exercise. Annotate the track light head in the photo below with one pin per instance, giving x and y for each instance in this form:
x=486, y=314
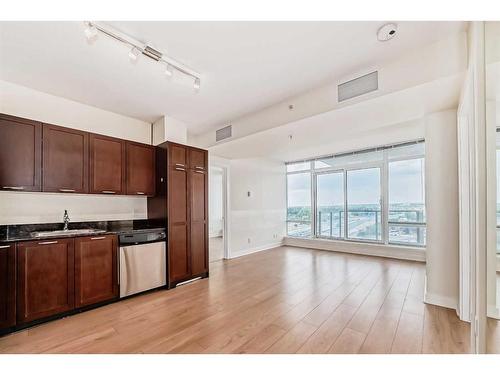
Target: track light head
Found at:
x=134, y=54
x=197, y=84
x=168, y=71
x=90, y=33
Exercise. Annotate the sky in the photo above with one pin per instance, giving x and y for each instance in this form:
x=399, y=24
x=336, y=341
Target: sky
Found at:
x=405, y=185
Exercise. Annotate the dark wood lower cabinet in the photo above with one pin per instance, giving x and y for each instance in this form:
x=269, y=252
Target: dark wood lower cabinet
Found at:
x=178, y=253
x=96, y=271
x=199, y=261
x=198, y=220
x=46, y=281
x=7, y=286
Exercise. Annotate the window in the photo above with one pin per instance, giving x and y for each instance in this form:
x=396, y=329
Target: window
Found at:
x=382, y=191
x=330, y=204
x=407, y=202
x=296, y=167
x=299, y=205
x=364, y=211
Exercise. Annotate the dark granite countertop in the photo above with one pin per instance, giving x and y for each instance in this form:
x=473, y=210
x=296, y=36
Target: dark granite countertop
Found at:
x=23, y=232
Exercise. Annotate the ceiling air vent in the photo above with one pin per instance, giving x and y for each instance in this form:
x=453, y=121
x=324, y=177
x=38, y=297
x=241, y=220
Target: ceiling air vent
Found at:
x=358, y=86
x=223, y=133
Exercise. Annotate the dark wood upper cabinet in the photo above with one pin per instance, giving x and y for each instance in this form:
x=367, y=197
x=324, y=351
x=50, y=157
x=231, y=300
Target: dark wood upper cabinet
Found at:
x=44, y=157
x=20, y=154
x=107, y=165
x=45, y=282
x=7, y=285
x=177, y=155
x=65, y=160
x=96, y=270
x=197, y=159
x=140, y=169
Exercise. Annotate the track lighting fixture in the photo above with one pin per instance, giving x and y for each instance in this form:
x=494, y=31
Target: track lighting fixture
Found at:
x=134, y=54
x=196, y=84
x=90, y=33
x=138, y=48
x=168, y=71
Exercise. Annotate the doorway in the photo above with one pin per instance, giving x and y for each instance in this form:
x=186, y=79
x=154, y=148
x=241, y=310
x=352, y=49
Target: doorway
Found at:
x=216, y=233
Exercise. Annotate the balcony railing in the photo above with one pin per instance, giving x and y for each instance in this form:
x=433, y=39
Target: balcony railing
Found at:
x=330, y=224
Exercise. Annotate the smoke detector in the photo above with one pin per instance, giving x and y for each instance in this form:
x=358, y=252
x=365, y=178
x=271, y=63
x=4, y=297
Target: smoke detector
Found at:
x=387, y=32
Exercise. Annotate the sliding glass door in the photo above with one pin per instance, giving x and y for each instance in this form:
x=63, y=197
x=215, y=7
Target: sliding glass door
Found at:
x=330, y=204
x=364, y=208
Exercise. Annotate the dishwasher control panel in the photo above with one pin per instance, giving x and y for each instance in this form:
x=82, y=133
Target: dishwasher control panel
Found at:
x=141, y=237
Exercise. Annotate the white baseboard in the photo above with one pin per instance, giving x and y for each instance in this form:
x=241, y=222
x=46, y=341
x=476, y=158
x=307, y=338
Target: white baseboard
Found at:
x=493, y=312
x=252, y=250
x=380, y=250
x=438, y=300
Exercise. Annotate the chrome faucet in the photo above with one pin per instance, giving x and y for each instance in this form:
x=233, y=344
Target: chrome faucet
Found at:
x=66, y=220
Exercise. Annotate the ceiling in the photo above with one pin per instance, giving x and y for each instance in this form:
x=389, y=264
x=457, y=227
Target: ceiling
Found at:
x=391, y=118
x=245, y=66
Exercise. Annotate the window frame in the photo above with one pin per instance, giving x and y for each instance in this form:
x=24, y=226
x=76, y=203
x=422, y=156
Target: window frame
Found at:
x=384, y=196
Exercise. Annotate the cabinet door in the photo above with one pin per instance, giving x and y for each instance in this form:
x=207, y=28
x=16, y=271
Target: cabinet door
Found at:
x=178, y=246
x=45, y=278
x=7, y=286
x=177, y=155
x=198, y=221
x=20, y=154
x=65, y=160
x=197, y=159
x=96, y=276
x=140, y=169
x=107, y=165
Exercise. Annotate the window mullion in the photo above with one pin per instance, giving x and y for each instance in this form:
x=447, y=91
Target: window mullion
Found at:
x=385, y=199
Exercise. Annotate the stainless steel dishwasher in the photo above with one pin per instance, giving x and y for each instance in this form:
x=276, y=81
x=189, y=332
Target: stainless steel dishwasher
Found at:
x=143, y=261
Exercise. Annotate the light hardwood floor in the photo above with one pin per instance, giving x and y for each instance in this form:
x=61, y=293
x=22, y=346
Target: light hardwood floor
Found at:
x=285, y=300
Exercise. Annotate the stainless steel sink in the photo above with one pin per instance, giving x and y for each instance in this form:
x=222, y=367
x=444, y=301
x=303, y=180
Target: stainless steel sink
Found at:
x=70, y=232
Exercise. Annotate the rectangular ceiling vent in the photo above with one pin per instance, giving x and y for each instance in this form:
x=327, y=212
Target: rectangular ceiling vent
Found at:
x=358, y=86
x=223, y=133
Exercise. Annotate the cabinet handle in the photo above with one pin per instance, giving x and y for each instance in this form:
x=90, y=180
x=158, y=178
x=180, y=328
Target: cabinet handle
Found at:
x=179, y=165
x=4, y=246
x=180, y=169
x=97, y=238
x=202, y=172
x=202, y=168
x=67, y=190
x=47, y=243
x=13, y=187
x=108, y=192
x=140, y=193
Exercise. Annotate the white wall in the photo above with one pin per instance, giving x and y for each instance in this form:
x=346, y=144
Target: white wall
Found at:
x=215, y=204
x=167, y=128
x=256, y=221
x=441, y=178
x=17, y=208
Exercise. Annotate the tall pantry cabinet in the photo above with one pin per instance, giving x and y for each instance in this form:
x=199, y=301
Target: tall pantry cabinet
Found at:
x=181, y=203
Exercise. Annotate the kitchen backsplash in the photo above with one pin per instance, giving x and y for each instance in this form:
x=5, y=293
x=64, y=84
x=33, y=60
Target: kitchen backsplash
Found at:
x=33, y=208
